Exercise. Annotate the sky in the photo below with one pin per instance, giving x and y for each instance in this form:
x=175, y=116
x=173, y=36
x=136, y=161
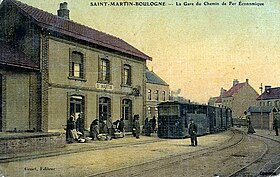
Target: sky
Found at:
x=197, y=49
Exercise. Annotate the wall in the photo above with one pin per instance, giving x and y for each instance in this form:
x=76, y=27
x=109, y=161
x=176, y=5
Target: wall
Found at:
x=31, y=142
x=61, y=86
x=241, y=101
x=17, y=101
x=153, y=102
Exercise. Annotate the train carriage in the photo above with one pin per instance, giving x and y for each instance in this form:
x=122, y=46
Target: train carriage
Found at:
x=174, y=118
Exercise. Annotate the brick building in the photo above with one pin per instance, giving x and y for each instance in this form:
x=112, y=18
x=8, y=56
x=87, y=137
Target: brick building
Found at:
x=61, y=67
x=157, y=90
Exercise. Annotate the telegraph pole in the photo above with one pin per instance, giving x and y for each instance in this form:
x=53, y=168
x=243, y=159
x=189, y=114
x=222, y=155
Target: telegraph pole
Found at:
x=261, y=88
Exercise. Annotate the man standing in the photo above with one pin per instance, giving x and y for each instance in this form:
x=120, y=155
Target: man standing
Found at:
x=275, y=125
x=136, y=126
x=193, y=132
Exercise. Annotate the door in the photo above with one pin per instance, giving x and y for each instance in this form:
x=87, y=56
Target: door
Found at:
x=127, y=114
x=104, y=108
x=1, y=118
x=76, y=105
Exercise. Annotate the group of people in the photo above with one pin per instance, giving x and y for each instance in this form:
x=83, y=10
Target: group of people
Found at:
x=149, y=126
x=275, y=126
x=75, y=129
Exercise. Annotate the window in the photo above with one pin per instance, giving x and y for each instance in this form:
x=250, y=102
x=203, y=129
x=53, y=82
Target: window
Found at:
x=127, y=75
x=269, y=103
x=77, y=65
x=149, y=94
x=149, y=110
x=163, y=96
x=276, y=103
x=156, y=94
x=104, y=71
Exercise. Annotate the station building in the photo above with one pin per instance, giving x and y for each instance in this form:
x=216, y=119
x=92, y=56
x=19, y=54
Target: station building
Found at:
x=54, y=67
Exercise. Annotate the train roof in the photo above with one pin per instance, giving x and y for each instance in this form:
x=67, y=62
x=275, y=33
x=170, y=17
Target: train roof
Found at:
x=187, y=103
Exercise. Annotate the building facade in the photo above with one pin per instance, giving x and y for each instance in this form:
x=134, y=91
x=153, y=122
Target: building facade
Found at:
x=238, y=98
x=157, y=90
x=270, y=97
x=81, y=70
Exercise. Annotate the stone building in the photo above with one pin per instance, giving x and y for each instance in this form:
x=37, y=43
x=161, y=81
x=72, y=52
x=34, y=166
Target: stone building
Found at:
x=58, y=67
x=238, y=98
x=157, y=90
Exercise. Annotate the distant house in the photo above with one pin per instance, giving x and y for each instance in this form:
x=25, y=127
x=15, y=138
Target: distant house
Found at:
x=238, y=98
x=157, y=90
x=52, y=67
x=270, y=97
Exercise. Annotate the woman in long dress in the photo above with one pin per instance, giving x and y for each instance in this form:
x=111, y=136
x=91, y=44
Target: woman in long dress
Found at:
x=250, y=127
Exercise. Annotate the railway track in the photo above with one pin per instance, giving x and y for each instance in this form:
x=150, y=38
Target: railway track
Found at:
x=147, y=167
x=262, y=161
x=267, y=162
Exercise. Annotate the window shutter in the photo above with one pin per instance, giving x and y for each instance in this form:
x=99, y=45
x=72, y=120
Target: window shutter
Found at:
x=108, y=74
x=122, y=73
x=99, y=69
x=129, y=76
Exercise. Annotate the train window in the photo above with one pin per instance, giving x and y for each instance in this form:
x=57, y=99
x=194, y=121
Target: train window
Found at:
x=168, y=110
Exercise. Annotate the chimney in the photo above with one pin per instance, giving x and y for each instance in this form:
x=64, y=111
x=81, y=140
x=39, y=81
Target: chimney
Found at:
x=267, y=88
x=247, y=81
x=63, y=11
x=222, y=91
x=235, y=82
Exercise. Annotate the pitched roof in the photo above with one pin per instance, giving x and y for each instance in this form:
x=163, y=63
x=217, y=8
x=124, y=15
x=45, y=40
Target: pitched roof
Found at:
x=153, y=78
x=271, y=93
x=67, y=27
x=218, y=99
x=234, y=89
x=258, y=109
x=14, y=58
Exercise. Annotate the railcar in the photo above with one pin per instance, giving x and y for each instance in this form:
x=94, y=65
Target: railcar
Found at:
x=174, y=118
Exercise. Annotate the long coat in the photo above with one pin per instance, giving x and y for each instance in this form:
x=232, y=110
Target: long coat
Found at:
x=136, y=125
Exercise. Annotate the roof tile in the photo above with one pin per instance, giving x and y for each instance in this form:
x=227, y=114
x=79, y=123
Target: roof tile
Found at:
x=272, y=93
x=78, y=31
x=11, y=57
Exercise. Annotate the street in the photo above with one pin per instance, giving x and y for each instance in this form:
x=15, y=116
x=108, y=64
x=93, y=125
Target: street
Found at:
x=217, y=154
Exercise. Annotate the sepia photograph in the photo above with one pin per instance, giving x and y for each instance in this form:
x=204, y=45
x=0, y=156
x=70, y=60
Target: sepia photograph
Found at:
x=122, y=88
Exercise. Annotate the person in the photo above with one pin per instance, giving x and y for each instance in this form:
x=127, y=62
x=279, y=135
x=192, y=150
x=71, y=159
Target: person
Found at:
x=71, y=133
x=275, y=126
x=154, y=123
x=94, y=129
x=121, y=126
x=110, y=127
x=136, y=126
x=193, y=133
x=250, y=127
x=80, y=124
x=103, y=128
x=147, y=127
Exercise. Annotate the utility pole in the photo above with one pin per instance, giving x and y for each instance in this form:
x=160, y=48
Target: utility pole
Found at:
x=261, y=88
